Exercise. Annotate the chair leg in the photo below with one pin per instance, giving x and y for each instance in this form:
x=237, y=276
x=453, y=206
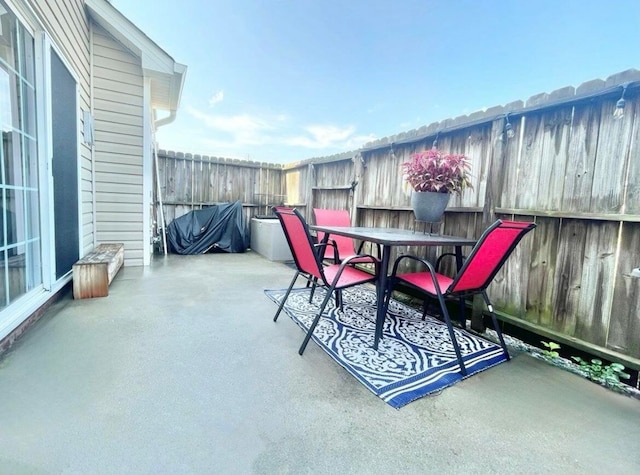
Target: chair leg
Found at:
x=313, y=288
x=494, y=320
x=463, y=317
x=286, y=296
x=387, y=296
x=456, y=347
x=315, y=321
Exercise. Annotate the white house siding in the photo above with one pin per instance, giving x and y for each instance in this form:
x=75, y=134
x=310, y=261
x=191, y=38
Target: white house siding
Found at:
x=118, y=113
x=67, y=24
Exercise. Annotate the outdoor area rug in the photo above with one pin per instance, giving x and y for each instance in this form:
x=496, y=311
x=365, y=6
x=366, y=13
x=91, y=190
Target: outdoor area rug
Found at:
x=415, y=357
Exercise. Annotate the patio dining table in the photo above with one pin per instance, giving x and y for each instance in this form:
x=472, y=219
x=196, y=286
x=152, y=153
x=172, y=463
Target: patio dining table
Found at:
x=387, y=238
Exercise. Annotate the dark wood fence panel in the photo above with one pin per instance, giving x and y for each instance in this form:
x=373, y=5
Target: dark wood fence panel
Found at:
x=625, y=317
x=612, y=155
x=508, y=185
x=190, y=182
x=569, y=166
x=547, y=257
x=335, y=174
x=333, y=199
x=476, y=144
x=382, y=181
x=568, y=276
x=597, y=286
x=632, y=198
x=572, y=169
x=576, y=195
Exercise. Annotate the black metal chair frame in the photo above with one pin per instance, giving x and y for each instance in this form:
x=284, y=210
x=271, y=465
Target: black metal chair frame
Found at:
x=449, y=293
x=316, y=272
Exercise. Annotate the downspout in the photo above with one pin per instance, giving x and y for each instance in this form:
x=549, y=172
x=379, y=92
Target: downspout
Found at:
x=159, y=123
x=165, y=120
x=162, y=223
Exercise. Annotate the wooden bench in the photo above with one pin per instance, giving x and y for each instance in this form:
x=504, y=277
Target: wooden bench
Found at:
x=94, y=272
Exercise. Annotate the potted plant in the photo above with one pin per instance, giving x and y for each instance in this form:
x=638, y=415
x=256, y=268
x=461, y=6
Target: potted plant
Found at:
x=433, y=176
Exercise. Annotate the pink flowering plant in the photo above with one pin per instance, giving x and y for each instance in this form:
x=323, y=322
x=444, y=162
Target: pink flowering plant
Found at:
x=433, y=170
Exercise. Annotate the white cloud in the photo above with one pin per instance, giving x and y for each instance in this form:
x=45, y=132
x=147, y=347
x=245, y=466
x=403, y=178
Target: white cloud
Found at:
x=329, y=137
x=241, y=126
x=321, y=136
x=243, y=132
x=218, y=96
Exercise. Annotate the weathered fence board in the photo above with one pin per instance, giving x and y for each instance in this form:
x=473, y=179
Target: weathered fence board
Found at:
x=474, y=143
x=624, y=328
x=596, y=291
x=632, y=198
x=567, y=281
x=530, y=164
x=576, y=195
x=612, y=157
x=332, y=199
x=554, y=157
x=510, y=165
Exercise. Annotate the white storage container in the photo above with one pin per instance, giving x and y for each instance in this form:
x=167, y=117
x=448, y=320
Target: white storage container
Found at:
x=267, y=239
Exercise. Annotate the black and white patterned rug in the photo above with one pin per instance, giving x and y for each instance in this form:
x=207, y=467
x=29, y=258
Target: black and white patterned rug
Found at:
x=414, y=358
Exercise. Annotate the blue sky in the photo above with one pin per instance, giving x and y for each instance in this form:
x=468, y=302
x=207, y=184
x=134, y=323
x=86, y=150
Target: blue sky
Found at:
x=286, y=80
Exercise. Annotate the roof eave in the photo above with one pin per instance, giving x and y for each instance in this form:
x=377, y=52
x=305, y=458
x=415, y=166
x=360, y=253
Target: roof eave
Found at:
x=166, y=91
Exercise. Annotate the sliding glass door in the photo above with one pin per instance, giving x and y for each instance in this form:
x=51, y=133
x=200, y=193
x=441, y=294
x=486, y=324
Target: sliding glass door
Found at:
x=20, y=236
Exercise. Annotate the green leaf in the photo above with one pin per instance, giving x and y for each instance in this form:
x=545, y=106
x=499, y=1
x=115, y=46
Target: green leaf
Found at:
x=551, y=345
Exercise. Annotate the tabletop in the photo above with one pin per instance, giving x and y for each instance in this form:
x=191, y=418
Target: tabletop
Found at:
x=396, y=237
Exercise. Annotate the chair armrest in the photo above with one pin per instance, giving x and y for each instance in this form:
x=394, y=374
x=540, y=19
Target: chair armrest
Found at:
x=425, y=262
x=376, y=262
x=378, y=250
x=321, y=246
x=447, y=254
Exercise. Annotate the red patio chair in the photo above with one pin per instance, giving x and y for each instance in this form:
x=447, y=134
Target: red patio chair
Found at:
x=308, y=261
x=483, y=263
x=343, y=246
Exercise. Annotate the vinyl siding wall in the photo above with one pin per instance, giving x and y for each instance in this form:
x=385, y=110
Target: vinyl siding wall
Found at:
x=118, y=116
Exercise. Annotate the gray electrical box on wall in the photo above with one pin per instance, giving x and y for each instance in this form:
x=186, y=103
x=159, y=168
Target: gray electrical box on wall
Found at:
x=87, y=129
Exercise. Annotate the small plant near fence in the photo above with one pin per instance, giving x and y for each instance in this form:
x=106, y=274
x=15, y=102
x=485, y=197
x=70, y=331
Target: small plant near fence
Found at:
x=607, y=375
x=550, y=353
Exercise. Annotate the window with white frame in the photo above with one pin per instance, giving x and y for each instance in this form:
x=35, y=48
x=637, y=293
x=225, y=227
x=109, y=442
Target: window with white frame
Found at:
x=20, y=242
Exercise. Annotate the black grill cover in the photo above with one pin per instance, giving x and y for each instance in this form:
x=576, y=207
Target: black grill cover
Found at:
x=220, y=226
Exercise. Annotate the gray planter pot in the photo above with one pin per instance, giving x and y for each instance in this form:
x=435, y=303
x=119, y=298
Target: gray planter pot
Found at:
x=429, y=206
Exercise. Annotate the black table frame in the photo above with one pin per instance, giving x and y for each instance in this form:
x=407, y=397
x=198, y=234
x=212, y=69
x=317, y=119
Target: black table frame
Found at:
x=388, y=238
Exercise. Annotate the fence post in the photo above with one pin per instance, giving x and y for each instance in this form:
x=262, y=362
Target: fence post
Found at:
x=311, y=171
x=358, y=173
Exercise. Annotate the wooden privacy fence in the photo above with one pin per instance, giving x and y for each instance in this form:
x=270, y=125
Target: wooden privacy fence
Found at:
x=190, y=182
x=569, y=166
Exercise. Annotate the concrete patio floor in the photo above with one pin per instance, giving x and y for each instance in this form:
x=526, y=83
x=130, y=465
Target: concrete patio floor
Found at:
x=182, y=370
